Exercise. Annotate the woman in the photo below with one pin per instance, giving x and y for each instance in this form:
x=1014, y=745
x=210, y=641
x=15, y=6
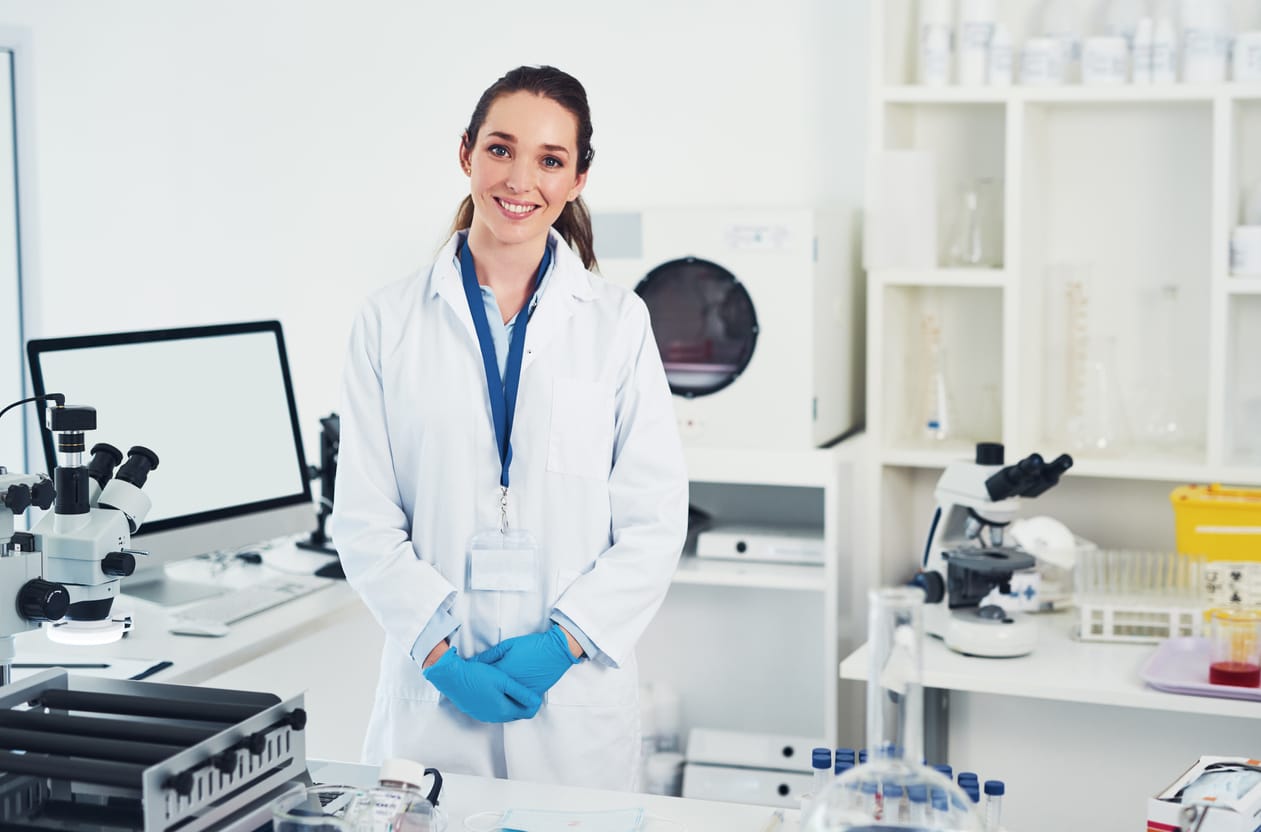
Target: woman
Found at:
x=511, y=495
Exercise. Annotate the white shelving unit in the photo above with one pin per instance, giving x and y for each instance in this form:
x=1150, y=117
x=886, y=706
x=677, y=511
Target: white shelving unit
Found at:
x=741, y=642
x=1132, y=192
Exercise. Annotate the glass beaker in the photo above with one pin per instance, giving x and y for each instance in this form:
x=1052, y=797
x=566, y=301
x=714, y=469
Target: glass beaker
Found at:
x=1235, y=639
x=975, y=238
x=322, y=809
x=893, y=789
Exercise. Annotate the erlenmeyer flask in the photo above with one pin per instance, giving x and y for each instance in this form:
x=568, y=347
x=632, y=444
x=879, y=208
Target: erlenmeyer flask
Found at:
x=882, y=793
x=974, y=238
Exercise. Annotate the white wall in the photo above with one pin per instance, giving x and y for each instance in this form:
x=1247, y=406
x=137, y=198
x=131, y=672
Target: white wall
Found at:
x=204, y=162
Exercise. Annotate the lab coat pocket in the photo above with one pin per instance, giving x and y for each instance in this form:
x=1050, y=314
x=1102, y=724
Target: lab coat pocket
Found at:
x=580, y=439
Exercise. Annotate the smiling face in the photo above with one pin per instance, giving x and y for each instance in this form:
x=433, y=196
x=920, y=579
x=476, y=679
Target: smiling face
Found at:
x=522, y=168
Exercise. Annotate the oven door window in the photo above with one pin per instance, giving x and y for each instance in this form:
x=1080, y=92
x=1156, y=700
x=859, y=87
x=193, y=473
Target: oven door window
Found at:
x=704, y=323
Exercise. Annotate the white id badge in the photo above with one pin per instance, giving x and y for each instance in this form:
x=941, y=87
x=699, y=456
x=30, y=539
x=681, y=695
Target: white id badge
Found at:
x=503, y=561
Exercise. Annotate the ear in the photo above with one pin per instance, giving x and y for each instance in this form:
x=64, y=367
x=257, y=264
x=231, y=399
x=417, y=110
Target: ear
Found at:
x=579, y=184
x=466, y=155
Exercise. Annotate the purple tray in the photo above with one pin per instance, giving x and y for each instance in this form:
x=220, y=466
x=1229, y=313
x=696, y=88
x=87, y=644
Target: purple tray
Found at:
x=1180, y=665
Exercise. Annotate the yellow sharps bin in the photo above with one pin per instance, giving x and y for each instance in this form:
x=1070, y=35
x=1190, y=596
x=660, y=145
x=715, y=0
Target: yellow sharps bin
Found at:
x=1217, y=521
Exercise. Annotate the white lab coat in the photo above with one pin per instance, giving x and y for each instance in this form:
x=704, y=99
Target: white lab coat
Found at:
x=597, y=477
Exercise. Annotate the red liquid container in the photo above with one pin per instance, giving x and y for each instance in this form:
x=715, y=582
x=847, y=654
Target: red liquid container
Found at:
x=1238, y=674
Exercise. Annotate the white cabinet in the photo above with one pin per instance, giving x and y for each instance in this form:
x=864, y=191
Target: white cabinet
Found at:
x=754, y=646
x=1110, y=327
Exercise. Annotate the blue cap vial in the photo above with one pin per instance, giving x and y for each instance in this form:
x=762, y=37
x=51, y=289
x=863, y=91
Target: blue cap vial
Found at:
x=974, y=792
x=968, y=777
x=995, y=787
x=917, y=792
x=870, y=787
x=946, y=770
x=939, y=800
x=842, y=766
x=821, y=758
x=847, y=753
x=862, y=756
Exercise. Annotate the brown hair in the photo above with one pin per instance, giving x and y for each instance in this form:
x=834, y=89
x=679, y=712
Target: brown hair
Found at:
x=574, y=222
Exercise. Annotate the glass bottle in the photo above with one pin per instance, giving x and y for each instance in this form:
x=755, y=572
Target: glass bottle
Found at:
x=895, y=736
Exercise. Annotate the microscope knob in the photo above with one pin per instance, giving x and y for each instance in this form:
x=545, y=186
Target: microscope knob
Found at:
x=41, y=600
x=18, y=497
x=43, y=493
x=932, y=584
x=118, y=564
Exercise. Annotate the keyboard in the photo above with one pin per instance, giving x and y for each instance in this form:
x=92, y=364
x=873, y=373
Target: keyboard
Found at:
x=237, y=604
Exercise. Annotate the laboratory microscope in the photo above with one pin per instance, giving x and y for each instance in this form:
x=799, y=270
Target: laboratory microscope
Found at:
x=966, y=560
x=66, y=571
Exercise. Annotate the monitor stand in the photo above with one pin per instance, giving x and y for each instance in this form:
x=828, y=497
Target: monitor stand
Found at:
x=168, y=592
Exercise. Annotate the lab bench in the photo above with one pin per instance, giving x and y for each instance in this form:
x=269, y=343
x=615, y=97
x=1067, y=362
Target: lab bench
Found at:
x=465, y=795
x=1078, y=737
x=324, y=644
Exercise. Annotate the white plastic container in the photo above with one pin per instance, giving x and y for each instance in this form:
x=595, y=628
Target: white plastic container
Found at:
x=1001, y=58
x=1042, y=62
x=1205, y=41
x=1246, y=67
x=976, y=29
x=1062, y=21
x=1105, y=61
x=1245, y=251
x=1141, y=53
x=1164, y=51
x=935, y=35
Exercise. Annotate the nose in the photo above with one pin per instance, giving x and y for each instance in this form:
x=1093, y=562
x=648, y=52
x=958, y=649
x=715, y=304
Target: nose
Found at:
x=521, y=176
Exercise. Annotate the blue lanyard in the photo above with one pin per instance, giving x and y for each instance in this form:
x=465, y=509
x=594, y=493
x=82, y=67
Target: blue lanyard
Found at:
x=502, y=391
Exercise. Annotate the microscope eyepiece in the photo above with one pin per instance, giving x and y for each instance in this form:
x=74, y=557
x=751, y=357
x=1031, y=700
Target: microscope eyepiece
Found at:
x=140, y=461
x=1050, y=475
x=105, y=459
x=1014, y=479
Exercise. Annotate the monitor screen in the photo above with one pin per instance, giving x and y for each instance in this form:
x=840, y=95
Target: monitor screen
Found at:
x=216, y=405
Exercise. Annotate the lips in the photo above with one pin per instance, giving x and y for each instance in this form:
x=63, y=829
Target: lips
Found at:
x=515, y=210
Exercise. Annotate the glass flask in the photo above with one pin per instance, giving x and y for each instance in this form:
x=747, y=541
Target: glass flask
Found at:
x=1161, y=423
x=894, y=790
x=974, y=238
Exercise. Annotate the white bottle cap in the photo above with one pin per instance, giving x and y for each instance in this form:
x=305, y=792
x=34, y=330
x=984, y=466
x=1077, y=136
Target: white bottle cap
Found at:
x=398, y=770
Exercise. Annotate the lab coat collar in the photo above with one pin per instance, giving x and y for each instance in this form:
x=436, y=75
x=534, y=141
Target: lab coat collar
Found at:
x=567, y=283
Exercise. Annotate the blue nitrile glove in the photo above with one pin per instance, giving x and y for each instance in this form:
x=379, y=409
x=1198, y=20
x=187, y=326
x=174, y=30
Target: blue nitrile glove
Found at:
x=536, y=661
x=483, y=692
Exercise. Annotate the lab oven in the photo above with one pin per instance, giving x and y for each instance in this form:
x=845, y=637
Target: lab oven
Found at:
x=757, y=315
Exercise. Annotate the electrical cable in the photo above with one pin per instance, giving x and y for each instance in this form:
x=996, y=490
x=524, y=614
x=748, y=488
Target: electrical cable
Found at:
x=59, y=398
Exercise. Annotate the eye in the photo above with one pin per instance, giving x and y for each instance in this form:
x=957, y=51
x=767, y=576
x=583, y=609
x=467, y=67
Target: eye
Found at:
x=552, y=162
x=498, y=150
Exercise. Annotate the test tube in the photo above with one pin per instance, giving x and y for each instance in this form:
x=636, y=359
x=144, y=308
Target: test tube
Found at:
x=821, y=762
x=946, y=770
x=895, y=808
x=994, y=791
x=917, y=794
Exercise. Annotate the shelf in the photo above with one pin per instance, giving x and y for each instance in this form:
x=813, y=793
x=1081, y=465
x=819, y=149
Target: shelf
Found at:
x=1243, y=285
x=1059, y=669
x=715, y=572
x=812, y=467
x=1160, y=470
x=943, y=278
x=1070, y=94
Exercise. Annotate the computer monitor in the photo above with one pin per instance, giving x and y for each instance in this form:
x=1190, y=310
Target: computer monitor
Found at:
x=216, y=404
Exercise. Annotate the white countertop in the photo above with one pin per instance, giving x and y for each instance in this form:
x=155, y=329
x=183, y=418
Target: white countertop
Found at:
x=464, y=795
x=1062, y=669
x=198, y=658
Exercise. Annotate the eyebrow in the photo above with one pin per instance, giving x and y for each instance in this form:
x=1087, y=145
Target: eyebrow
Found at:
x=508, y=137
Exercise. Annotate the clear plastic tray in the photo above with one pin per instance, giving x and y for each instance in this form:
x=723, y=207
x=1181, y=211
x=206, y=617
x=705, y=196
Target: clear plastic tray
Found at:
x=1180, y=665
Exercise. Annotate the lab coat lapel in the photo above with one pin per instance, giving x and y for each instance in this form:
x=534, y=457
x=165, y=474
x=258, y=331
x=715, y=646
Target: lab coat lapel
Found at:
x=570, y=285
x=445, y=282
